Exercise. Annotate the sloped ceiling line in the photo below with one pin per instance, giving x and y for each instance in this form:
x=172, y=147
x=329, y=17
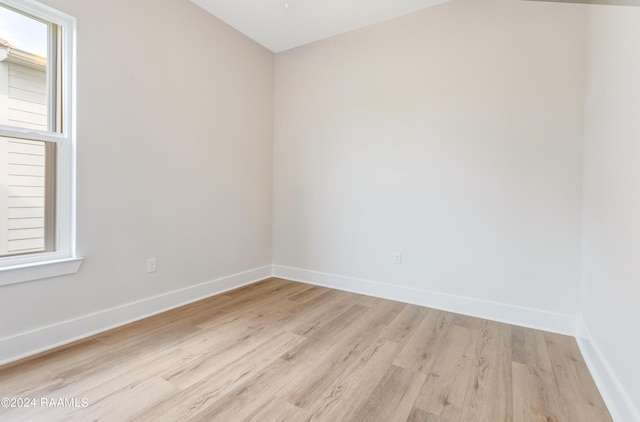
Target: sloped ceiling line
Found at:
x=284, y=24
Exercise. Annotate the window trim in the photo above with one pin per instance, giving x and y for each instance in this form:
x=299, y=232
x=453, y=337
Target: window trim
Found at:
x=39, y=270
x=20, y=268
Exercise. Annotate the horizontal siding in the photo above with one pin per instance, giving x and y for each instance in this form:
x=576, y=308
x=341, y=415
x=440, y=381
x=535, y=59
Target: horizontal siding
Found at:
x=26, y=159
x=25, y=191
x=28, y=85
x=26, y=223
x=22, y=205
x=27, y=78
x=25, y=195
x=22, y=146
x=21, y=94
x=28, y=107
x=27, y=98
x=25, y=212
x=24, y=72
x=22, y=234
x=21, y=180
x=20, y=117
x=25, y=170
x=25, y=125
x=26, y=202
x=26, y=245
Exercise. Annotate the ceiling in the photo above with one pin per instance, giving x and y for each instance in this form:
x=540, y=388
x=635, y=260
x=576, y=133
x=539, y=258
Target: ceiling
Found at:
x=283, y=24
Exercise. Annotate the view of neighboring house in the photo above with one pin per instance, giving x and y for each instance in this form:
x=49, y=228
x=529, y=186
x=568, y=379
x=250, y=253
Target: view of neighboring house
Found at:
x=23, y=85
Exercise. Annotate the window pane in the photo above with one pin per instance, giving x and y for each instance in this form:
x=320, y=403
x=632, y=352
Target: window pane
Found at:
x=23, y=71
x=36, y=87
x=25, y=203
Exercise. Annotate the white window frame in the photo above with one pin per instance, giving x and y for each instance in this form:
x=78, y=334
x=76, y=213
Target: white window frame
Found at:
x=20, y=268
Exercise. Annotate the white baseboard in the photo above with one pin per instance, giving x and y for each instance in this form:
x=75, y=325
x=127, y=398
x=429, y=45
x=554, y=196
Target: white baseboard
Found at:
x=619, y=404
x=46, y=338
x=525, y=317
x=42, y=339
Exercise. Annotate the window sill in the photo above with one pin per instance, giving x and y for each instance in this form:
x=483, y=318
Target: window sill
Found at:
x=39, y=270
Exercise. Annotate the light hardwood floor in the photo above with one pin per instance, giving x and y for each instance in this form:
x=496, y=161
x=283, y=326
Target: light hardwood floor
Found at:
x=284, y=351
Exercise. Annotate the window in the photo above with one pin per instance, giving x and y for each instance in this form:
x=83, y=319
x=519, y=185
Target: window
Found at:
x=37, y=155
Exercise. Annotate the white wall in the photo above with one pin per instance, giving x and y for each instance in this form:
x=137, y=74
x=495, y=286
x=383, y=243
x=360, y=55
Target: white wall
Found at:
x=174, y=159
x=451, y=135
x=611, y=229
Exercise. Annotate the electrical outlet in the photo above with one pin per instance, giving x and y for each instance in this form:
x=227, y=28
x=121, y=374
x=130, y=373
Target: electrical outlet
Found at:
x=397, y=258
x=152, y=265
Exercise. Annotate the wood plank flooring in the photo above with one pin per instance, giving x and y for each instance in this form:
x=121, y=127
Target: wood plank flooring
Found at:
x=285, y=351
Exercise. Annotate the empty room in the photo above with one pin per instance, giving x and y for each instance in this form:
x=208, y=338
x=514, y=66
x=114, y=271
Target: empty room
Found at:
x=320, y=210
